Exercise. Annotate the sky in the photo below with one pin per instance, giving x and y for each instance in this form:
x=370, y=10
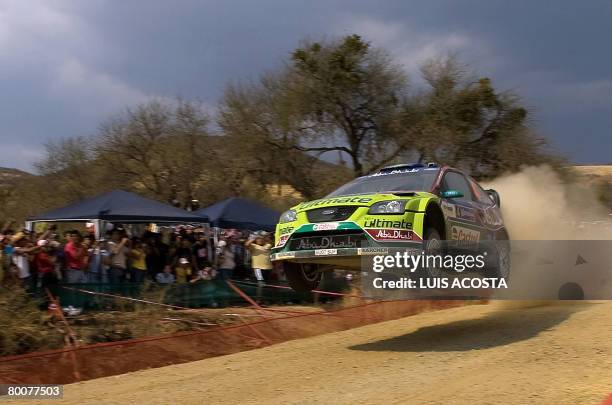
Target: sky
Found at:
x=68, y=66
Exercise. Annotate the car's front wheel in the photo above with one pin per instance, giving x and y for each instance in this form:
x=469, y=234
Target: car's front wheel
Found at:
x=302, y=277
x=432, y=246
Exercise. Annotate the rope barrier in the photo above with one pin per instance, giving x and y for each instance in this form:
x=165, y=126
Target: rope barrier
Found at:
x=126, y=298
x=294, y=314
x=284, y=287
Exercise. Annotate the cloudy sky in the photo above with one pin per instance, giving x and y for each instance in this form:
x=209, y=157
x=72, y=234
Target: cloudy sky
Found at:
x=66, y=66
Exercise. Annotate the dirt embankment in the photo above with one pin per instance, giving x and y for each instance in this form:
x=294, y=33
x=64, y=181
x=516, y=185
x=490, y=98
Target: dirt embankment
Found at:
x=552, y=354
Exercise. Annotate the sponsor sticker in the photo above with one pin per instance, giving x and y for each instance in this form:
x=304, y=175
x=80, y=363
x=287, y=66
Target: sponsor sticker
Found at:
x=326, y=242
x=386, y=223
x=326, y=252
x=282, y=240
x=393, y=235
x=491, y=217
x=398, y=171
x=464, y=234
x=466, y=213
x=336, y=200
x=326, y=226
x=372, y=251
x=286, y=230
x=285, y=255
x=449, y=209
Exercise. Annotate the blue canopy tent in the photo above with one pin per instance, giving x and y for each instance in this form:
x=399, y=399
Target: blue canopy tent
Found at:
x=239, y=213
x=117, y=206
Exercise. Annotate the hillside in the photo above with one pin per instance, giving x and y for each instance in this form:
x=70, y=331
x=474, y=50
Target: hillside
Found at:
x=9, y=176
x=599, y=172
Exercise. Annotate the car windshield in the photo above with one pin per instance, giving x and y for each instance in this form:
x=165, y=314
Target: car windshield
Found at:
x=418, y=180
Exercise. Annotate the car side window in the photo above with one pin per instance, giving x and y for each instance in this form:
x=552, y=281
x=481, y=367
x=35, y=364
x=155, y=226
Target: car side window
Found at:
x=456, y=181
x=480, y=195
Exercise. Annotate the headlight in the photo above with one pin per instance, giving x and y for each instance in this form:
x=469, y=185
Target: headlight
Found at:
x=288, y=216
x=388, y=207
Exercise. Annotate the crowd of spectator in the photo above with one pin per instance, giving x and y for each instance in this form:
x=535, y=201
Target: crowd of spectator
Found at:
x=180, y=255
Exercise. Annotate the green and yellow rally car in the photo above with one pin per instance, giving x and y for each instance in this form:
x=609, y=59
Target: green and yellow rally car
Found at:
x=400, y=207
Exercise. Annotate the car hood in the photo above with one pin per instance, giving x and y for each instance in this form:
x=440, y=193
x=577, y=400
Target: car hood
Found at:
x=363, y=200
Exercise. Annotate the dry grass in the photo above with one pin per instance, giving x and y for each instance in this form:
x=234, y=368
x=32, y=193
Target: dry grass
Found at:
x=23, y=326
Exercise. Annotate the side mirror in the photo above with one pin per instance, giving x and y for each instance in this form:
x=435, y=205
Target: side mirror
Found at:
x=494, y=196
x=451, y=194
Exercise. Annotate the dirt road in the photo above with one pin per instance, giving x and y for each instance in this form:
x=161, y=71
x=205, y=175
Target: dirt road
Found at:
x=493, y=354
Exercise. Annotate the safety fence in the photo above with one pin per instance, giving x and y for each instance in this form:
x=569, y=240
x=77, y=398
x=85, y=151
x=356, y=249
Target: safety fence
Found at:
x=268, y=326
x=213, y=293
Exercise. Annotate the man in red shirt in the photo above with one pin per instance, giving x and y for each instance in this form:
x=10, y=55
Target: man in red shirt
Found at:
x=45, y=265
x=75, y=258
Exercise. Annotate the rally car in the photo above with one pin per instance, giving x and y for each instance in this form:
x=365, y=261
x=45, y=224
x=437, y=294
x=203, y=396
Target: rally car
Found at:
x=410, y=205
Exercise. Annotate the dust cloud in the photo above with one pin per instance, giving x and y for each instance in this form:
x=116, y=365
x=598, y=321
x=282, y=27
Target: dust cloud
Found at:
x=538, y=205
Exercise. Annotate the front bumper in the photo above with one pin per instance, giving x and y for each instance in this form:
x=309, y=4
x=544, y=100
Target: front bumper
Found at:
x=320, y=253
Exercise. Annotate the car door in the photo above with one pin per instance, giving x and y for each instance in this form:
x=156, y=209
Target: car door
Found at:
x=487, y=210
x=464, y=218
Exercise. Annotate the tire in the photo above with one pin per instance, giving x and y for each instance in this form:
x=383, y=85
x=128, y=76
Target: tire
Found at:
x=500, y=268
x=432, y=245
x=302, y=277
x=571, y=291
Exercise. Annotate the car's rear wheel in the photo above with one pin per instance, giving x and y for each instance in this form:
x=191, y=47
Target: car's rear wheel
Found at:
x=500, y=267
x=302, y=277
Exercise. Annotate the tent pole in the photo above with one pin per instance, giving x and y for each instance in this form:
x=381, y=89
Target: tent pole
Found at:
x=100, y=226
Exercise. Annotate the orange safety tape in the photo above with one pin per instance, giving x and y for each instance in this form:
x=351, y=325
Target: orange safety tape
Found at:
x=175, y=335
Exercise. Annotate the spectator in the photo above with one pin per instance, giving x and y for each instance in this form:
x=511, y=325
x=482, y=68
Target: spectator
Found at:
x=3, y=257
x=57, y=252
x=139, y=263
x=200, y=251
x=260, y=255
x=75, y=259
x=206, y=274
x=105, y=260
x=165, y=277
x=22, y=249
x=95, y=259
x=226, y=260
x=45, y=264
x=118, y=259
x=184, y=251
x=157, y=255
x=183, y=271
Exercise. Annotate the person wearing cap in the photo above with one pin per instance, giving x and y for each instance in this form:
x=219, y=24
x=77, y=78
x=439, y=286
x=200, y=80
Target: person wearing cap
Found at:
x=184, y=251
x=260, y=255
x=183, y=270
x=45, y=264
x=225, y=259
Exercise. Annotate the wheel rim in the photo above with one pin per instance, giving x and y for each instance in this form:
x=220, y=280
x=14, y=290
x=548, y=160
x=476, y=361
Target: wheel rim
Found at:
x=433, y=247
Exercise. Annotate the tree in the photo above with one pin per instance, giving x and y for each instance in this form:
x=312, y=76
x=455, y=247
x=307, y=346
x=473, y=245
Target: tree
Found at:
x=68, y=166
x=263, y=126
x=463, y=121
x=350, y=97
x=159, y=148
